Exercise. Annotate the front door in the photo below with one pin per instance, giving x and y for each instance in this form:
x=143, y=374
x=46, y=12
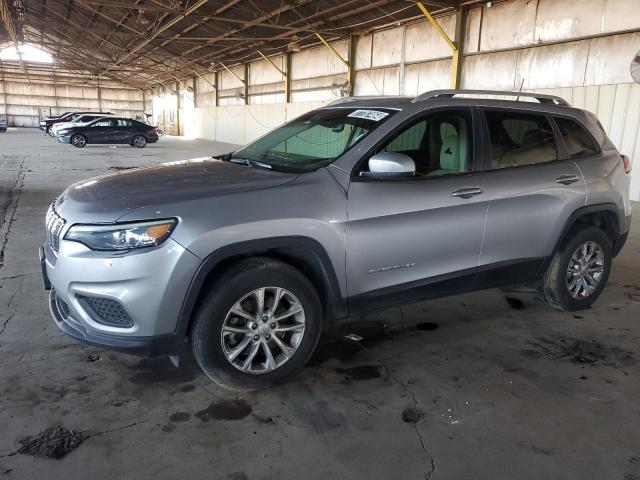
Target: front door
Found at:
x=101, y=131
x=534, y=190
x=414, y=237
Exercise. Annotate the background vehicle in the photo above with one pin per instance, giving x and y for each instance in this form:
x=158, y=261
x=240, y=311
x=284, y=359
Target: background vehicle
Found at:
x=110, y=130
x=77, y=122
x=356, y=206
x=3, y=124
x=45, y=125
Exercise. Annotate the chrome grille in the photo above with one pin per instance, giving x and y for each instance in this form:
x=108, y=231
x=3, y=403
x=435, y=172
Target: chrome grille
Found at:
x=54, y=224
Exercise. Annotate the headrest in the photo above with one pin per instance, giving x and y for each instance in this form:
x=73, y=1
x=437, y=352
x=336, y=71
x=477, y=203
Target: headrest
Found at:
x=450, y=153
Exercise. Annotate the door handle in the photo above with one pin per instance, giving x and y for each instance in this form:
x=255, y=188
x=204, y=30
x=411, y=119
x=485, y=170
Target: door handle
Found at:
x=567, y=179
x=466, y=192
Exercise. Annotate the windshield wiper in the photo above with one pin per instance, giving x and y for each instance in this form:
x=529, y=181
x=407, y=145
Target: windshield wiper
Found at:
x=250, y=163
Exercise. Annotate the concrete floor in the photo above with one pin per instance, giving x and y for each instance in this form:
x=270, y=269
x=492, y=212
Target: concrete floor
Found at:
x=486, y=385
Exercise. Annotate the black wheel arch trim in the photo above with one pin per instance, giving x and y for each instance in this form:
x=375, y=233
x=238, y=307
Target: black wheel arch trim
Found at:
x=619, y=226
x=297, y=248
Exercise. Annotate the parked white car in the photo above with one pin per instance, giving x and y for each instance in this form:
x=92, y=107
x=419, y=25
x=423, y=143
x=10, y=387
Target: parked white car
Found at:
x=80, y=121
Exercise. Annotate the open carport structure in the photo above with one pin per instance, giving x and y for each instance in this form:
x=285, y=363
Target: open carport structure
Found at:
x=488, y=384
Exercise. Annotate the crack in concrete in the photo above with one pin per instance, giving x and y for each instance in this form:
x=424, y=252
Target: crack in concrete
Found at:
x=13, y=312
x=13, y=277
x=11, y=205
x=117, y=429
x=428, y=475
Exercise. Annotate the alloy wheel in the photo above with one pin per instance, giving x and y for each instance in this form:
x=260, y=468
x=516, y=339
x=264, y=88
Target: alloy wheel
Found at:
x=79, y=141
x=263, y=330
x=585, y=270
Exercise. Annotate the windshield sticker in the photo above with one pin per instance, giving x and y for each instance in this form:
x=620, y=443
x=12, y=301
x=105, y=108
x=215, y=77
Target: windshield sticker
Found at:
x=368, y=114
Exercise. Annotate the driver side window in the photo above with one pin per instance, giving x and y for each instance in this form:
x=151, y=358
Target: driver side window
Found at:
x=438, y=144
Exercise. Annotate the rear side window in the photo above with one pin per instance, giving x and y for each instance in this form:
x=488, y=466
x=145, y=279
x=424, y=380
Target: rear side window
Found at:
x=519, y=139
x=578, y=141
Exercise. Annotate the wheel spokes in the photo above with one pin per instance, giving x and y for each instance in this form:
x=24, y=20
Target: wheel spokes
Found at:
x=238, y=349
x=263, y=330
x=293, y=309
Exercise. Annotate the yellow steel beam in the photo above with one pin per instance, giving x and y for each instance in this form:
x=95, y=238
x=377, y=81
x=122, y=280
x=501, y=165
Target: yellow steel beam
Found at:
x=233, y=73
x=204, y=79
x=326, y=44
x=283, y=73
x=456, y=51
x=437, y=26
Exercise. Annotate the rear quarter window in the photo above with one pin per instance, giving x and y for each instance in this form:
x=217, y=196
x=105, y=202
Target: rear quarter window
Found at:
x=578, y=141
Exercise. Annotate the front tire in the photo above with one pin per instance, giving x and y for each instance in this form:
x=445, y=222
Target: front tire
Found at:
x=579, y=270
x=78, y=141
x=139, y=141
x=257, y=326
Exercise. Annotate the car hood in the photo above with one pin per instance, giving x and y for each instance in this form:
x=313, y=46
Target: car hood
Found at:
x=108, y=197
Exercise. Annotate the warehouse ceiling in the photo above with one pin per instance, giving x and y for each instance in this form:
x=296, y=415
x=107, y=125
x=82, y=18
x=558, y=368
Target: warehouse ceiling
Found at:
x=142, y=42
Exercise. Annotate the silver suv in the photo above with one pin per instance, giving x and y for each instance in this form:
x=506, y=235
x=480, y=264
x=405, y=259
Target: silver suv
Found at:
x=362, y=204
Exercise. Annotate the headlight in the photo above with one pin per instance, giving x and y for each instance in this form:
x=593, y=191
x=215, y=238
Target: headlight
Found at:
x=124, y=236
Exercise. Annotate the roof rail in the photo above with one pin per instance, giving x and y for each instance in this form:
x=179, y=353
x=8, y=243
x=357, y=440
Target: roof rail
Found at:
x=355, y=98
x=542, y=98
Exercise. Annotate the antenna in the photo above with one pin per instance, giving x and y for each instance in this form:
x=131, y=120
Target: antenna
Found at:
x=520, y=90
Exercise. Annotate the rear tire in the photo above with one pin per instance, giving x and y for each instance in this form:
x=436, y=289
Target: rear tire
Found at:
x=139, y=141
x=78, y=141
x=219, y=332
x=579, y=270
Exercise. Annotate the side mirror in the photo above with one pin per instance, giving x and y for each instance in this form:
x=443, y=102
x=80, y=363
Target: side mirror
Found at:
x=390, y=165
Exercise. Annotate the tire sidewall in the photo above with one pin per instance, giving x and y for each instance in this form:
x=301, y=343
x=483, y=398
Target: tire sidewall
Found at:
x=77, y=135
x=133, y=141
x=556, y=288
x=237, y=282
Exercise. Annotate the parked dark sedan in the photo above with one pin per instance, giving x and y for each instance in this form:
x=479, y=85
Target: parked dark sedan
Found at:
x=3, y=125
x=110, y=130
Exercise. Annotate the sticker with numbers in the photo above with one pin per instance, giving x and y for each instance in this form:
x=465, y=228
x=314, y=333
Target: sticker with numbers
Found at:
x=368, y=114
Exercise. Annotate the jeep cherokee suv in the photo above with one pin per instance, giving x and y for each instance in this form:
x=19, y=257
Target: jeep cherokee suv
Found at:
x=362, y=204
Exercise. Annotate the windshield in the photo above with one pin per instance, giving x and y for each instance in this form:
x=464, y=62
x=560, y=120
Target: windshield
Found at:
x=313, y=140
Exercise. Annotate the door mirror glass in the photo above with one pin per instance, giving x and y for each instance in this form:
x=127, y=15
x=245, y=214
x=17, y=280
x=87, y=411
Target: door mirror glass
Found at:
x=390, y=165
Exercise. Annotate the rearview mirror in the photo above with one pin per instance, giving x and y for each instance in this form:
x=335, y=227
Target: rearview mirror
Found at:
x=390, y=165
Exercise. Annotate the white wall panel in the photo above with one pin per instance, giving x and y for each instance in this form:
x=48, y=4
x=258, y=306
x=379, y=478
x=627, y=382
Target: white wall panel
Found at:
x=363, y=51
x=508, y=24
x=493, y=71
x=317, y=62
x=422, y=77
x=552, y=66
x=561, y=20
x=610, y=58
x=387, y=47
x=262, y=72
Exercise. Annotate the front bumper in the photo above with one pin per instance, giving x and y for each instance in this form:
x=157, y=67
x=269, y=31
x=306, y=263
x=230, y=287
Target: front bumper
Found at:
x=64, y=138
x=150, y=286
x=160, y=345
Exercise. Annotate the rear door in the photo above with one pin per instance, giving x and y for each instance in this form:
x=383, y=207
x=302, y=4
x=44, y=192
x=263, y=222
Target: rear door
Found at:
x=418, y=236
x=535, y=187
x=123, y=131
